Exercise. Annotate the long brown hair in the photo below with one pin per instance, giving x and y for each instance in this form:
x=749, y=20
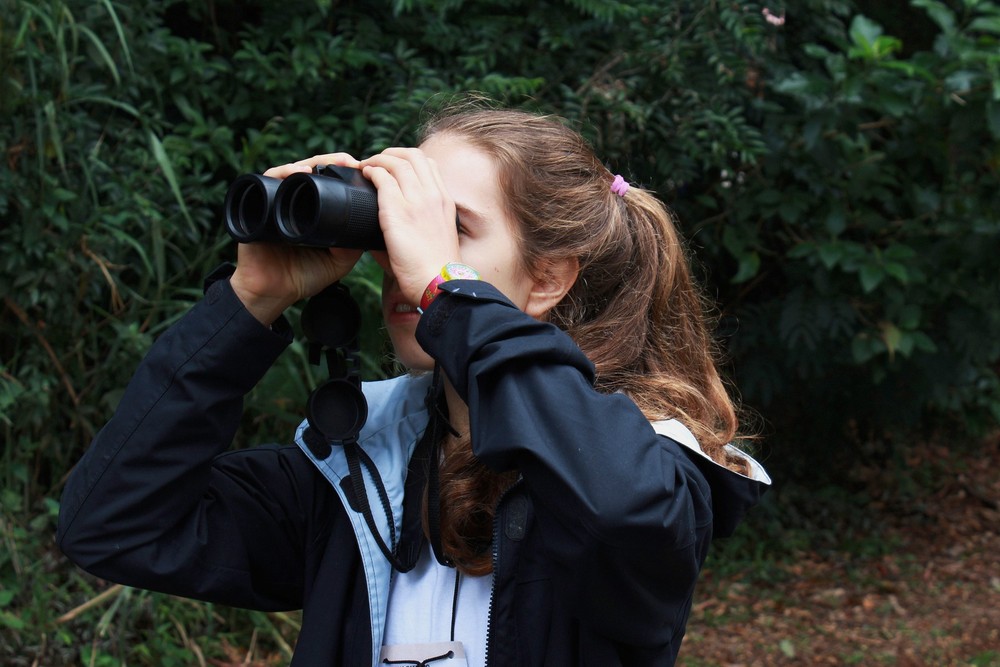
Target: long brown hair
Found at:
x=634, y=309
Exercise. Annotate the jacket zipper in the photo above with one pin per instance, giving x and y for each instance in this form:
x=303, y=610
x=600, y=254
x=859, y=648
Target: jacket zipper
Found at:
x=496, y=562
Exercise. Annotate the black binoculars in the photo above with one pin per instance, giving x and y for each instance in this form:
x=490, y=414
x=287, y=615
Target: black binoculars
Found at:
x=330, y=207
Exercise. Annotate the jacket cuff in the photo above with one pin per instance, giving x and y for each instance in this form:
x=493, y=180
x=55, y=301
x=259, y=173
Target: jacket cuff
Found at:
x=456, y=293
x=223, y=271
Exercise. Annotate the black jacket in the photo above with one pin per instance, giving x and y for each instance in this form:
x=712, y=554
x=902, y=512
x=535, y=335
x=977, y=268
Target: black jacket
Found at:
x=597, y=548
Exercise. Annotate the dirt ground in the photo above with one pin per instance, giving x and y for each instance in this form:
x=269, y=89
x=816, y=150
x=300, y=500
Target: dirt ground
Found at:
x=930, y=597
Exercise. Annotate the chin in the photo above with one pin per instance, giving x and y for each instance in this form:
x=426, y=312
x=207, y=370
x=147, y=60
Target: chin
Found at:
x=416, y=364
x=409, y=354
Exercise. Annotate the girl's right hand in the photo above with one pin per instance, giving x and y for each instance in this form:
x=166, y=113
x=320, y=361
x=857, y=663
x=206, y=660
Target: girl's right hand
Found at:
x=270, y=277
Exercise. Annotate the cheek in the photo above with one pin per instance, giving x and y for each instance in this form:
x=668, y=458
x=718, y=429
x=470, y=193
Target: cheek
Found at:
x=514, y=284
x=497, y=259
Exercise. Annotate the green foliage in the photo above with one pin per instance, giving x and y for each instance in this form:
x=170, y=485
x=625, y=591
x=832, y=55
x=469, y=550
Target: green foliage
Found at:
x=860, y=245
x=835, y=175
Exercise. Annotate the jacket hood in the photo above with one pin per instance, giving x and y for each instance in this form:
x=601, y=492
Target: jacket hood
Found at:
x=733, y=494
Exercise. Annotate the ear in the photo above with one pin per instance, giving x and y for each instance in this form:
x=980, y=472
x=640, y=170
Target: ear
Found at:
x=554, y=281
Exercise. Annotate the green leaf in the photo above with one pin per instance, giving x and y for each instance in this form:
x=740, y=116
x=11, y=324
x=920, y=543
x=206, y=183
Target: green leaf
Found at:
x=961, y=81
x=120, y=32
x=899, y=252
x=939, y=12
x=864, y=32
x=923, y=342
x=160, y=155
x=816, y=51
x=885, y=46
x=871, y=276
x=863, y=349
x=801, y=250
x=63, y=195
x=897, y=271
x=836, y=221
x=986, y=24
x=993, y=117
x=909, y=317
x=910, y=69
x=102, y=52
x=749, y=266
x=795, y=83
x=791, y=209
x=55, y=134
x=813, y=130
x=11, y=621
x=891, y=336
x=830, y=254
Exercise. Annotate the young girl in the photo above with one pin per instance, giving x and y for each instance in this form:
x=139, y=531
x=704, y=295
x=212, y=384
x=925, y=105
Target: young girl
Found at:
x=550, y=503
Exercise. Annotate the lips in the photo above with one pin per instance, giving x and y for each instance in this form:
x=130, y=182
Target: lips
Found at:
x=398, y=310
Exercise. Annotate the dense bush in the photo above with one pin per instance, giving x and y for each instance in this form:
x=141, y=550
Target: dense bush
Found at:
x=836, y=177
x=863, y=239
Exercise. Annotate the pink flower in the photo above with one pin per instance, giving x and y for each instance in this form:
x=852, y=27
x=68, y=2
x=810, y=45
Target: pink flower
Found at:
x=773, y=19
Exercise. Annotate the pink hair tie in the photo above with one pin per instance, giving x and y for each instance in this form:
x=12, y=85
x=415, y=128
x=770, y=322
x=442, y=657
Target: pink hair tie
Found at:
x=619, y=186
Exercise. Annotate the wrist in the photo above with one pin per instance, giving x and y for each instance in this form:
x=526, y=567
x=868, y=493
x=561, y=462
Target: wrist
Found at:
x=266, y=309
x=450, y=271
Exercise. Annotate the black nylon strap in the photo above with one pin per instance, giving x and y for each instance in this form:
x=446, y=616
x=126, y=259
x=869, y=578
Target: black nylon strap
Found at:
x=434, y=508
x=422, y=468
x=438, y=419
x=411, y=540
x=355, y=458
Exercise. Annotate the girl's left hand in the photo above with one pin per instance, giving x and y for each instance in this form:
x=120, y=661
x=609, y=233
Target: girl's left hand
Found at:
x=416, y=215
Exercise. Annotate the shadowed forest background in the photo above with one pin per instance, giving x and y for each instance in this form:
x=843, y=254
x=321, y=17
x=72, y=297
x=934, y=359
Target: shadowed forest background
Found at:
x=833, y=166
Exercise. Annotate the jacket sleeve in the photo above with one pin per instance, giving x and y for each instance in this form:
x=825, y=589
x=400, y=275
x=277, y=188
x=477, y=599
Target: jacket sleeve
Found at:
x=155, y=503
x=624, y=514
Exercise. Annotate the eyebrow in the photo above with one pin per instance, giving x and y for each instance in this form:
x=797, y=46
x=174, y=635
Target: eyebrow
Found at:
x=466, y=214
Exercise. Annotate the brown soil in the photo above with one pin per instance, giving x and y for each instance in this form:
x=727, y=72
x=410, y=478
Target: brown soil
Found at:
x=930, y=597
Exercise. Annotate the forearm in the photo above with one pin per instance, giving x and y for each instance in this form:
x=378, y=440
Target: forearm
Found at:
x=624, y=513
x=151, y=465
x=533, y=406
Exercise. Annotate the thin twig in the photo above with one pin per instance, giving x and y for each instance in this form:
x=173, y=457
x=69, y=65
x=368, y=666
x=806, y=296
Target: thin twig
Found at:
x=253, y=647
x=93, y=602
x=117, y=303
x=64, y=376
x=15, y=561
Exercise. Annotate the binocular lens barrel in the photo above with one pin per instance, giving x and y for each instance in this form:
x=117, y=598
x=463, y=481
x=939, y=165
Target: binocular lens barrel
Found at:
x=248, y=208
x=299, y=211
x=331, y=207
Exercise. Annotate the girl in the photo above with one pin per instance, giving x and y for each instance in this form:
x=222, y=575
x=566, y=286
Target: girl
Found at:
x=548, y=501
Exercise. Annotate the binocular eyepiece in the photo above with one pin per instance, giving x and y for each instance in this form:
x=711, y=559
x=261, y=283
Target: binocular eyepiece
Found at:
x=330, y=207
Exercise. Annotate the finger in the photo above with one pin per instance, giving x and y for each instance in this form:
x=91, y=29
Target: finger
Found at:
x=286, y=170
x=417, y=160
x=401, y=169
x=338, y=159
x=344, y=260
x=306, y=165
x=436, y=174
x=409, y=166
x=385, y=183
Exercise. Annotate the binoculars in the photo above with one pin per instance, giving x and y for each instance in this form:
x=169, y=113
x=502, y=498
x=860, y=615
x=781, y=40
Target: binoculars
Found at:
x=330, y=207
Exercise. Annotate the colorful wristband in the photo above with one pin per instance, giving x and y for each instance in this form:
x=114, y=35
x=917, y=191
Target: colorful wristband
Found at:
x=451, y=271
